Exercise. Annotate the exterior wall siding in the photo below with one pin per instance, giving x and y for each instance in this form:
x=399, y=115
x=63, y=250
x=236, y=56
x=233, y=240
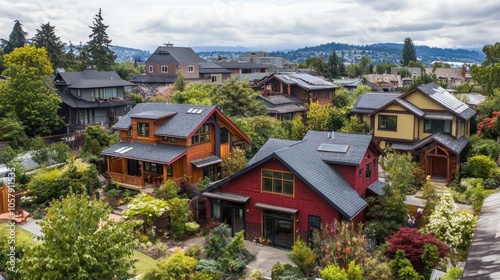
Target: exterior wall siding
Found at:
x=404, y=127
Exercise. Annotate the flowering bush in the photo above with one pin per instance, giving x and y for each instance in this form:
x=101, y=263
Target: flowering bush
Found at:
x=146, y=206
x=453, y=226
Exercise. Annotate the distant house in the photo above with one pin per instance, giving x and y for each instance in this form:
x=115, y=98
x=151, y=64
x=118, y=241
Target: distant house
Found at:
x=299, y=87
x=427, y=122
x=452, y=77
x=162, y=67
x=349, y=84
x=242, y=67
x=384, y=82
x=261, y=57
x=92, y=97
x=289, y=188
x=281, y=107
x=171, y=141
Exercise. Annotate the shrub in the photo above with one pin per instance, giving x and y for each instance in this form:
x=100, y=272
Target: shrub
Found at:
x=375, y=268
x=44, y=185
x=192, y=227
x=493, y=181
x=277, y=271
x=303, y=257
x=59, y=152
x=233, y=163
x=168, y=190
x=333, y=272
x=177, y=266
x=194, y=251
x=256, y=275
x=479, y=167
x=179, y=215
x=453, y=273
x=402, y=267
x=159, y=250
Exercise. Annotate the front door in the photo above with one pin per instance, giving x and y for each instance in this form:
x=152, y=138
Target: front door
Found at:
x=278, y=228
x=230, y=213
x=439, y=166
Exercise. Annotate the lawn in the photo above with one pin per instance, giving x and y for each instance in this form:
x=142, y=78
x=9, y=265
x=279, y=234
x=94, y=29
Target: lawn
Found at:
x=145, y=262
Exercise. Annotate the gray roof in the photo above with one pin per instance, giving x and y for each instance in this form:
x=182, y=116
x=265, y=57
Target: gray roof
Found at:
x=277, y=99
x=447, y=100
x=212, y=68
x=181, y=125
x=251, y=77
x=286, y=109
x=357, y=146
x=175, y=55
x=473, y=98
x=159, y=153
x=348, y=82
x=410, y=107
x=305, y=81
x=450, y=142
x=241, y=65
x=91, y=79
x=377, y=187
x=157, y=79
x=371, y=101
x=74, y=102
x=482, y=260
x=270, y=147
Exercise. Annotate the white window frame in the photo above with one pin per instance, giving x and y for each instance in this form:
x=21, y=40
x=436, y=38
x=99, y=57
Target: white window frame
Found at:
x=150, y=69
x=214, y=78
x=190, y=68
x=164, y=68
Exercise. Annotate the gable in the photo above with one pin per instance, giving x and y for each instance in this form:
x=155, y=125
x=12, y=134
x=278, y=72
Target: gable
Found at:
x=423, y=102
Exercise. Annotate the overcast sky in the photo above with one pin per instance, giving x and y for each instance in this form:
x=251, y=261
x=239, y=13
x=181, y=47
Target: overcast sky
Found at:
x=263, y=25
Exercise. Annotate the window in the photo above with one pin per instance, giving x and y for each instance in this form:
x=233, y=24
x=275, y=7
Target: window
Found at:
x=170, y=172
x=129, y=132
x=104, y=93
x=287, y=116
x=79, y=93
x=153, y=167
x=369, y=170
x=360, y=172
x=165, y=138
x=201, y=135
x=386, y=122
x=143, y=129
x=436, y=126
x=190, y=69
x=214, y=78
x=150, y=68
x=173, y=140
x=224, y=136
x=277, y=182
x=314, y=223
x=164, y=69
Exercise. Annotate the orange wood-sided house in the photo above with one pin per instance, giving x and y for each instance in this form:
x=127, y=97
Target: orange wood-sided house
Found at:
x=171, y=141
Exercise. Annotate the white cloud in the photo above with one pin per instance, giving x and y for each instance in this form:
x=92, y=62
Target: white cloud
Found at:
x=267, y=25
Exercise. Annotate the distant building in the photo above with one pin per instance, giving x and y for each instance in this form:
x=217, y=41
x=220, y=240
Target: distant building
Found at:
x=384, y=82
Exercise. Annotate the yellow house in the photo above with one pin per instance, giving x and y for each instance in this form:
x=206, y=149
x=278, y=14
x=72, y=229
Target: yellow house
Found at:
x=428, y=122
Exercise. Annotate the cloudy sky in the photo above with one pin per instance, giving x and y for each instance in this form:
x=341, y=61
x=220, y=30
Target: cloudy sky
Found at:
x=264, y=25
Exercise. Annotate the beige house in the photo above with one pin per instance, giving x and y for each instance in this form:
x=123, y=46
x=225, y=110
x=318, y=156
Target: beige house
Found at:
x=428, y=122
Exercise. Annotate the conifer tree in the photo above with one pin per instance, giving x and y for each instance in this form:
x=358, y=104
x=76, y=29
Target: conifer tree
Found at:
x=46, y=37
x=408, y=53
x=98, y=47
x=17, y=38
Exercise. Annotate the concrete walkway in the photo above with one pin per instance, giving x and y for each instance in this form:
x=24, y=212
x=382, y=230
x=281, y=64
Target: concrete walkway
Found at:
x=265, y=258
x=32, y=226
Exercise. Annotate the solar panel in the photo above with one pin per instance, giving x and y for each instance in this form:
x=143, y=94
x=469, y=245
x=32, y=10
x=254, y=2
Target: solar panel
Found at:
x=333, y=148
x=125, y=150
x=190, y=110
x=120, y=149
x=199, y=111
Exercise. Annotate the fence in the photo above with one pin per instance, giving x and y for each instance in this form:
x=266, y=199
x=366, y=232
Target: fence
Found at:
x=74, y=139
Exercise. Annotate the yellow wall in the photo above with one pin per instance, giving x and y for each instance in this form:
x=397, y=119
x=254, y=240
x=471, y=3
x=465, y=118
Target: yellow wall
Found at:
x=423, y=134
x=367, y=119
x=405, y=124
x=423, y=102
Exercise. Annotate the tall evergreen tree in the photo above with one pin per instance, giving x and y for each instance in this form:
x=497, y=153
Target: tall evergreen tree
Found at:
x=17, y=38
x=332, y=66
x=408, y=53
x=98, y=47
x=70, y=59
x=46, y=37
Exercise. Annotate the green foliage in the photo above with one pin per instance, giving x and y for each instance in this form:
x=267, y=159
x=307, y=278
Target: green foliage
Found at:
x=179, y=216
x=376, y=267
x=43, y=185
x=29, y=93
x=7, y=155
x=493, y=181
x=177, y=266
x=256, y=275
x=194, y=93
x=12, y=130
x=96, y=140
x=80, y=240
x=22, y=242
x=233, y=163
x=400, y=171
x=136, y=97
x=365, y=65
x=430, y=257
x=408, y=53
x=59, y=152
x=45, y=37
x=146, y=206
x=17, y=38
x=39, y=151
x=318, y=117
x=194, y=251
x=335, y=272
x=356, y=126
x=167, y=190
x=402, y=267
x=475, y=194
x=99, y=53
x=238, y=99
x=303, y=257
x=479, y=166
x=404, y=72
x=483, y=146
x=259, y=129
x=277, y=270
x=343, y=98
x=487, y=74
x=126, y=70
x=299, y=129
x=453, y=273
x=179, y=84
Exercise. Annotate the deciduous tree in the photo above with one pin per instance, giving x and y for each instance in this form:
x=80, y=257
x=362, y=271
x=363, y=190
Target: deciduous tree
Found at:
x=238, y=99
x=488, y=73
x=80, y=241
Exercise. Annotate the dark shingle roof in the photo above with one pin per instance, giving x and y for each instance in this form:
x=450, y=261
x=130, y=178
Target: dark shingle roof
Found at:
x=212, y=68
x=241, y=65
x=305, y=81
x=348, y=82
x=277, y=99
x=175, y=55
x=159, y=153
x=371, y=101
x=377, y=187
x=75, y=102
x=357, y=146
x=92, y=79
x=269, y=147
x=450, y=142
x=410, y=107
x=447, y=100
x=182, y=124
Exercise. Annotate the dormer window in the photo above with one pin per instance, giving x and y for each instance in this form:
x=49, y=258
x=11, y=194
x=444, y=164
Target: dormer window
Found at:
x=164, y=69
x=143, y=129
x=150, y=68
x=190, y=69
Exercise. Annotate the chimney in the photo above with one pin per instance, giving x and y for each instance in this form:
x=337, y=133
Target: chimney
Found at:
x=464, y=70
x=169, y=45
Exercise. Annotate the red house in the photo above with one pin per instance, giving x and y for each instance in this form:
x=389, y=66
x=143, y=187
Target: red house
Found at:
x=290, y=187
